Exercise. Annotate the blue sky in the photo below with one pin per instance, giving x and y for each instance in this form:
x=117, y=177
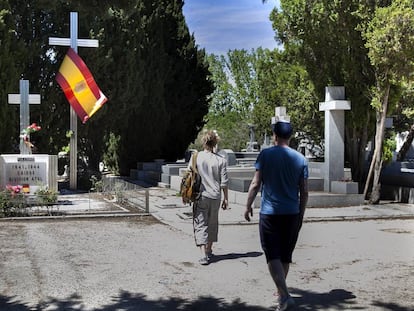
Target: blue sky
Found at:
x=222, y=25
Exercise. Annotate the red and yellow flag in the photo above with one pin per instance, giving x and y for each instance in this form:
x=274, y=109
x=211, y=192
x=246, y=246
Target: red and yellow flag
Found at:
x=79, y=86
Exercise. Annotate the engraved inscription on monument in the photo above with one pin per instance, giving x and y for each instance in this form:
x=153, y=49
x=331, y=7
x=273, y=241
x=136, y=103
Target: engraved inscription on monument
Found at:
x=26, y=171
x=32, y=171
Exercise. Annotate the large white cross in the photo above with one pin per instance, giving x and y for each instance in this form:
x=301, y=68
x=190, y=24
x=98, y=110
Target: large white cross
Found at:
x=24, y=99
x=73, y=42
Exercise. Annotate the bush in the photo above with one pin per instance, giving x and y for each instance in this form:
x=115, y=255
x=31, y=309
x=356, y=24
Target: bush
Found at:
x=46, y=196
x=11, y=204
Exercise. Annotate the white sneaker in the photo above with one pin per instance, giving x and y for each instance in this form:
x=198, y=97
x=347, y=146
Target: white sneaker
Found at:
x=203, y=261
x=285, y=304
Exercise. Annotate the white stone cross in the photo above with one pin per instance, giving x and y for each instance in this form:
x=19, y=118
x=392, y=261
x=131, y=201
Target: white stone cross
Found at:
x=280, y=115
x=73, y=42
x=24, y=99
x=334, y=107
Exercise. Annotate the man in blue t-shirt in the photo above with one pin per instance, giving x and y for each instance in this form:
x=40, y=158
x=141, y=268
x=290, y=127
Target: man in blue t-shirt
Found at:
x=281, y=174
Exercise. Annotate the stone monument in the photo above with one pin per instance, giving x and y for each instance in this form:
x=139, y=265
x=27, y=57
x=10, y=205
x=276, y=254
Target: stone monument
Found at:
x=33, y=171
x=334, y=107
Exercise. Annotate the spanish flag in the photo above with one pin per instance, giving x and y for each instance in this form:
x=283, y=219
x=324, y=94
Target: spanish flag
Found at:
x=79, y=86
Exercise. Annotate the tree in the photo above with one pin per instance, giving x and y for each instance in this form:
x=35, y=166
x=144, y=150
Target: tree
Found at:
x=235, y=95
x=248, y=87
x=27, y=26
x=161, y=82
x=9, y=77
x=283, y=81
x=390, y=41
x=324, y=37
x=405, y=114
x=148, y=65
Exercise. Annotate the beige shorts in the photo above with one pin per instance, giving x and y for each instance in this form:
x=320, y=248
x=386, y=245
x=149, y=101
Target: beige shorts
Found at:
x=205, y=220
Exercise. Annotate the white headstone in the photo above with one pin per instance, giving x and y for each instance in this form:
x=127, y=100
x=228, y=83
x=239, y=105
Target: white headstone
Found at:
x=34, y=171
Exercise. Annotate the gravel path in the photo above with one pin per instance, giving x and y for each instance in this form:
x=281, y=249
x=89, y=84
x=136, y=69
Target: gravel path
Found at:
x=140, y=264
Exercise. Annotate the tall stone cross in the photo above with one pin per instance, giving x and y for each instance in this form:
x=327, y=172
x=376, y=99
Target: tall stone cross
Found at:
x=334, y=107
x=74, y=43
x=24, y=99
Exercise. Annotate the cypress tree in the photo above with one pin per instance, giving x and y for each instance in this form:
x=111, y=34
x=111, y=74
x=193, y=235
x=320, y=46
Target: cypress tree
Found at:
x=147, y=64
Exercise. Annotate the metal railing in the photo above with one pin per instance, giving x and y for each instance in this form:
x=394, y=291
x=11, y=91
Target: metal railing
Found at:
x=125, y=192
x=122, y=192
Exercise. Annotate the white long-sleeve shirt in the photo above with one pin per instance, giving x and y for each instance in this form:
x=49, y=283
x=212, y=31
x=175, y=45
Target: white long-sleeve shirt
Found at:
x=212, y=168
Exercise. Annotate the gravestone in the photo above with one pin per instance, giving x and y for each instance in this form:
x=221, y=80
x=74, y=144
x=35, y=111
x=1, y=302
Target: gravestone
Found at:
x=33, y=171
x=229, y=155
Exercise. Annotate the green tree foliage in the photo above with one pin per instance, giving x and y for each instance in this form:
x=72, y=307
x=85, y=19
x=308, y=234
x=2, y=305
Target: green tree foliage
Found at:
x=147, y=64
x=390, y=41
x=234, y=98
x=156, y=82
x=284, y=82
x=324, y=35
x=29, y=25
x=9, y=75
x=405, y=113
x=248, y=87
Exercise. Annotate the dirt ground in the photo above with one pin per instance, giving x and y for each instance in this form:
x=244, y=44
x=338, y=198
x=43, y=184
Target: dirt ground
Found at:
x=140, y=264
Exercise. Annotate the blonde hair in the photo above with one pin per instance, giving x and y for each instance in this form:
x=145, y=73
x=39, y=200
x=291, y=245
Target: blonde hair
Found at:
x=210, y=140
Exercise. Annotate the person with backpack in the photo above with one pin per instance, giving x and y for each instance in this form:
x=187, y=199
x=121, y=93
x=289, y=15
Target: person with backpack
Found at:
x=212, y=169
x=281, y=174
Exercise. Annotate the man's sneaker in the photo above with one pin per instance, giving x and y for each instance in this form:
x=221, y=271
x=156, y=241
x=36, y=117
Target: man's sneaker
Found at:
x=203, y=261
x=209, y=254
x=285, y=304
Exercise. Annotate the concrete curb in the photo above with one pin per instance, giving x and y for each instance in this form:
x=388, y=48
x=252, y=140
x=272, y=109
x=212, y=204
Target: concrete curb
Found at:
x=78, y=216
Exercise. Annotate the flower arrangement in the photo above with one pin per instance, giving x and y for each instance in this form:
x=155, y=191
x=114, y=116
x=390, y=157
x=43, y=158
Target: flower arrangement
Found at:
x=12, y=201
x=25, y=134
x=14, y=189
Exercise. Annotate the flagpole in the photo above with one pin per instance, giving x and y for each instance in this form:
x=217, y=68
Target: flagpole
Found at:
x=73, y=143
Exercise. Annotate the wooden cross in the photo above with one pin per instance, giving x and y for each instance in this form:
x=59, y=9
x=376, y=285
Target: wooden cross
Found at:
x=73, y=42
x=24, y=99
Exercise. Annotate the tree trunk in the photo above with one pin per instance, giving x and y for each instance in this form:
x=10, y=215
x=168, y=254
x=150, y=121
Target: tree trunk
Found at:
x=369, y=177
x=376, y=163
x=406, y=146
x=376, y=185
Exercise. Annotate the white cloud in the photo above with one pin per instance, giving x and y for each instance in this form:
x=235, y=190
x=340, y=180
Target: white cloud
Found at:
x=220, y=25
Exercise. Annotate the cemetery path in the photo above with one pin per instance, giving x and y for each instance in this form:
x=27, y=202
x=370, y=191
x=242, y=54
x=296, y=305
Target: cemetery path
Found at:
x=142, y=264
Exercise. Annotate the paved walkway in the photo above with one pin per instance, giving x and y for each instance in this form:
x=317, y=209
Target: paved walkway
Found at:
x=168, y=208
x=165, y=205
x=130, y=263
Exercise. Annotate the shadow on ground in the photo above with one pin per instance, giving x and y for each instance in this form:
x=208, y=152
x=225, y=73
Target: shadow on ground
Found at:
x=337, y=299
x=230, y=256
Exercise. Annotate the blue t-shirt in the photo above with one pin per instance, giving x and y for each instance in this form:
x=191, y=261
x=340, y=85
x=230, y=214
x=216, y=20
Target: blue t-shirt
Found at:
x=281, y=169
